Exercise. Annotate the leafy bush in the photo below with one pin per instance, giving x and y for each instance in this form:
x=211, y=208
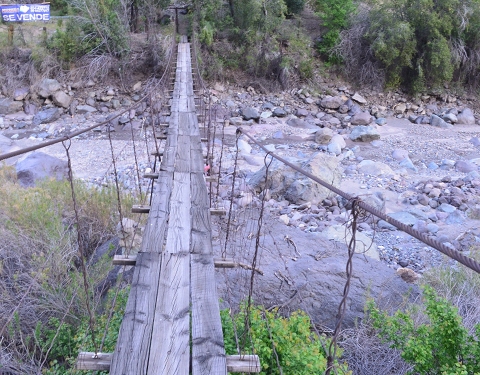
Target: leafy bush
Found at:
x=295, y=6
x=97, y=27
x=461, y=287
x=415, y=44
x=270, y=336
x=67, y=340
x=335, y=15
x=441, y=345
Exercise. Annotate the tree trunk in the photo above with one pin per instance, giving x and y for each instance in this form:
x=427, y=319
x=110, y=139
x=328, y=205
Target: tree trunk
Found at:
x=232, y=12
x=134, y=16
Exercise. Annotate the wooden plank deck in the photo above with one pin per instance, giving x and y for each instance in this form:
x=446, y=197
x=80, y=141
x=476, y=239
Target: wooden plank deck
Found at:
x=172, y=321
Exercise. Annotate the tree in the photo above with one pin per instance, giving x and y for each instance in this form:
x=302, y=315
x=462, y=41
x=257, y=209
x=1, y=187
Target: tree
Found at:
x=335, y=15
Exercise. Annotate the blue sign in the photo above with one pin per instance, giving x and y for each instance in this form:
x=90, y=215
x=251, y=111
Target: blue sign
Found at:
x=25, y=12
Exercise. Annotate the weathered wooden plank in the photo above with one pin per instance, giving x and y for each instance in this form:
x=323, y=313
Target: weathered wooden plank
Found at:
x=152, y=176
x=185, y=125
x=191, y=104
x=133, y=344
x=208, y=353
x=178, y=237
x=218, y=211
x=154, y=234
x=197, y=163
x=170, y=350
x=125, y=260
x=243, y=363
x=131, y=260
x=235, y=363
x=219, y=262
x=92, y=361
x=140, y=209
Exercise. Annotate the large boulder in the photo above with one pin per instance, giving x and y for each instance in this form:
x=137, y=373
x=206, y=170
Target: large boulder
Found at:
x=311, y=276
x=9, y=106
x=301, y=112
x=465, y=166
x=374, y=168
x=323, y=136
x=48, y=87
x=361, y=118
x=336, y=145
x=439, y=122
x=359, y=98
x=279, y=112
x=82, y=109
x=38, y=166
x=466, y=117
x=20, y=93
x=249, y=113
x=332, y=102
x=364, y=134
x=286, y=183
x=61, y=99
x=47, y=116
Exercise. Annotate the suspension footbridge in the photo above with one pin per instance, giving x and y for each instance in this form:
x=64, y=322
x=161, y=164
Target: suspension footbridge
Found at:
x=172, y=318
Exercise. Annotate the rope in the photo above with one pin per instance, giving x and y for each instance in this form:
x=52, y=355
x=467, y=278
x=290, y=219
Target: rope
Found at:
x=451, y=253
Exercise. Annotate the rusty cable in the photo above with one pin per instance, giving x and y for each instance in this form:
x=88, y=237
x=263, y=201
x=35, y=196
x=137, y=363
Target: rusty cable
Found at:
x=257, y=237
x=220, y=159
x=332, y=348
x=452, y=253
x=219, y=168
x=137, y=167
x=119, y=202
x=227, y=232
x=81, y=252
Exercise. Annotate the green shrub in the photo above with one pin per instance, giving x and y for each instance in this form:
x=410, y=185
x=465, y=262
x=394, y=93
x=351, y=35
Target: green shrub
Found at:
x=305, y=68
x=335, y=15
x=68, y=339
x=206, y=34
x=269, y=335
x=393, y=43
x=95, y=28
x=295, y=6
x=441, y=345
x=67, y=44
x=415, y=44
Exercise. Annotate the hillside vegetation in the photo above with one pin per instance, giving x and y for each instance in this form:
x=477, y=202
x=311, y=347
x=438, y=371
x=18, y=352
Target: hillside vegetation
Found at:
x=415, y=45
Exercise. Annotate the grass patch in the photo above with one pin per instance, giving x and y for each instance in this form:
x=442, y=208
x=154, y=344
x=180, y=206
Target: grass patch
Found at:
x=40, y=279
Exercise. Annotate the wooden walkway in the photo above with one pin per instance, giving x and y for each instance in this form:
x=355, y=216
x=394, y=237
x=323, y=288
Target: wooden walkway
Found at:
x=172, y=319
